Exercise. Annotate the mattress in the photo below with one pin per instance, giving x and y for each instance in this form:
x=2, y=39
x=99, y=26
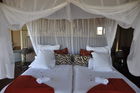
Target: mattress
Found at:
x=61, y=77
x=83, y=79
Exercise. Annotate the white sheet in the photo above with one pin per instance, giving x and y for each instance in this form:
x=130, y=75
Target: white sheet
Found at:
x=84, y=79
x=61, y=77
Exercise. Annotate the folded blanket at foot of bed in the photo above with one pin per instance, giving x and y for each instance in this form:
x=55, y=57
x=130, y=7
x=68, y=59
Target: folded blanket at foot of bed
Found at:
x=114, y=86
x=27, y=84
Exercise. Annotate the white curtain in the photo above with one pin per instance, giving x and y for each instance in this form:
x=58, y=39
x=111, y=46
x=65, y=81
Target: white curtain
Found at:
x=111, y=28
x=16, y=17
x=124, y=11
x=74, y=35
x=6, y=55
x=133, y=60
x=25, y=11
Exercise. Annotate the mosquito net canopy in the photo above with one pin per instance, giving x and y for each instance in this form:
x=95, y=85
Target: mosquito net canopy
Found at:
x=72, y=23
x=24, y=11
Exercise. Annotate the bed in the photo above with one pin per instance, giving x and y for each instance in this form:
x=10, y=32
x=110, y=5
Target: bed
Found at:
x=83, y=79
x=61, y=77
x=73, y=78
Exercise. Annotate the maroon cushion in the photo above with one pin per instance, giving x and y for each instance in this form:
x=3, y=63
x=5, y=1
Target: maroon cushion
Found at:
x=62, y=51
x=84, y=52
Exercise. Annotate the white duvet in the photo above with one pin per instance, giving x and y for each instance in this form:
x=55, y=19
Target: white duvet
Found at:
x=84, y=79
x=61, y=77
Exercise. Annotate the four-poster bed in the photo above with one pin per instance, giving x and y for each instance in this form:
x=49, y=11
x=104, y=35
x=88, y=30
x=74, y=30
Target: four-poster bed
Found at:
x=71, y=24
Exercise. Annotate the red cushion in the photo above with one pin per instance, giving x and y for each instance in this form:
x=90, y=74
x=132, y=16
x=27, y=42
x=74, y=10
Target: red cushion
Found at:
x=114, y=86
x=84, y=52
x=62, y=51
x=27, y=84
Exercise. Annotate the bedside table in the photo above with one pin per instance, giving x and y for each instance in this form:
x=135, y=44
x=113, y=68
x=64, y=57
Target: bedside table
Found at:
x=120, y=62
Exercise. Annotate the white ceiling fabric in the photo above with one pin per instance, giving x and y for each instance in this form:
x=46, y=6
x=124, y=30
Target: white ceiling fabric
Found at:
x=120, y=13
x=75, y=13
x=15, y=16
x=33, y=5
x=27, y=10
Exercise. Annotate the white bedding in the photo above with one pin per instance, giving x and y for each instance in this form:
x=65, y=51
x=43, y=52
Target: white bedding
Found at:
x=64, y=82
x=61, y=77
x=84, y=79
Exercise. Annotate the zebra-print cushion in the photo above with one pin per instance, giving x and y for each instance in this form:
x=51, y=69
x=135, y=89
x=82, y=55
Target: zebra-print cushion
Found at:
x=81, y=60
x=63, y=59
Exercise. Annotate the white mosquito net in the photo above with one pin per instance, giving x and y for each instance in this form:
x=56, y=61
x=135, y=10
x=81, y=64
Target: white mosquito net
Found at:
x=74, y=35
x=72, y=23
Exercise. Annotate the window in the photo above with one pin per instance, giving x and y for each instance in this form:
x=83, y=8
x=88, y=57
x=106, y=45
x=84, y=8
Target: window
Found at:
x=100, y=31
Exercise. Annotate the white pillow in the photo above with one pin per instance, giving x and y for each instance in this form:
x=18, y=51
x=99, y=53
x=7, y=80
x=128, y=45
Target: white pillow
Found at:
x=98, y=49
x=48, y=47
x=45, y=60
x=100, y=62
x=90, y=63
